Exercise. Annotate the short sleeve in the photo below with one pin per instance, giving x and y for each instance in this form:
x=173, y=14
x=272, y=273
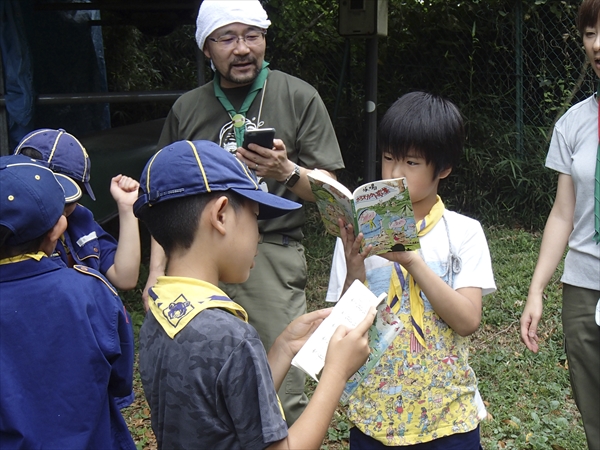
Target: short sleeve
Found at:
x=316, y=140
x=476, y=263
x=559, y=156
x=247, y=399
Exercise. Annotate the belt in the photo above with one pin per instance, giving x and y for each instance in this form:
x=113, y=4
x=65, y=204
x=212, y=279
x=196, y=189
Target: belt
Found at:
x=275, y=238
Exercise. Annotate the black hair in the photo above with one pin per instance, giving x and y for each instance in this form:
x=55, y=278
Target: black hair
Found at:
x=7, y=251
x=588, y=16
x=426, y=124
x=173, y=223
x=32, y=153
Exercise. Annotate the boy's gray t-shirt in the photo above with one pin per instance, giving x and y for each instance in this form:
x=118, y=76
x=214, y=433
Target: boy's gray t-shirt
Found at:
x=210, y=386
x=573, y=152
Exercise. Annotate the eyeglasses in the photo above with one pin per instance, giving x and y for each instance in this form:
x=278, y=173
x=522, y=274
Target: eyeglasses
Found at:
x=231, y=40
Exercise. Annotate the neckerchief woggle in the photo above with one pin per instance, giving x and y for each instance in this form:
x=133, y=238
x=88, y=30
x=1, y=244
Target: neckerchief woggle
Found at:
x=597, y=179
x=14, y=259
x=400, y=276
x=175, y=301
x=238, y=118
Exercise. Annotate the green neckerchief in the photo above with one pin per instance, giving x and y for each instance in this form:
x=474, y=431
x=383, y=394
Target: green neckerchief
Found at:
x=239, y=117
x=597, y=184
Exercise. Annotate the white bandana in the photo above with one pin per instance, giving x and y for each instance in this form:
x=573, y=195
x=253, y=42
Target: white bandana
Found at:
x=215, y=14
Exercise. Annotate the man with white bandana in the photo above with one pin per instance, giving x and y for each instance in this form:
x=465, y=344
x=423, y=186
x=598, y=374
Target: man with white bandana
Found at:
x=245, y=95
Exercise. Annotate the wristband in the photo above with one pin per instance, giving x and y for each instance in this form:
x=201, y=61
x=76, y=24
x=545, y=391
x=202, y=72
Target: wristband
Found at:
x=293, y=177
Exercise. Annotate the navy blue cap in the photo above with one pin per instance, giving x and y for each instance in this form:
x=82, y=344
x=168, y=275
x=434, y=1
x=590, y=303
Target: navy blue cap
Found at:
x=63, y=152
x=187, y=168
x=32, y=197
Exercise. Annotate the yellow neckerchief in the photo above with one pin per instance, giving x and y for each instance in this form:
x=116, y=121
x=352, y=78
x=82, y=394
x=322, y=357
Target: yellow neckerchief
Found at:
x=399, y=275
x=64, y=243
x=13, y=259
x=177, y=300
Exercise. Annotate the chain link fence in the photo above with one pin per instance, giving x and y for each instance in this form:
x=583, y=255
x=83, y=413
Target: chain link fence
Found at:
x=513, y=68
x=525, y=61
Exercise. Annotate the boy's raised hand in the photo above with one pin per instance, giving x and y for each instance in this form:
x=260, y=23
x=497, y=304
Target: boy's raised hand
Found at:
x=124, y=190
x=349, y=348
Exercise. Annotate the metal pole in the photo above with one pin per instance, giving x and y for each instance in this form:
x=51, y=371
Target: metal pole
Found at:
x=342, y=75
x=4, y=146
x=104, y=97
x=371, y=110
x=519, y=75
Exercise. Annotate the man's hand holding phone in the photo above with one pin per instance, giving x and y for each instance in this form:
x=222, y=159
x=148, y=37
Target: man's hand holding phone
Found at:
x=263, y=137
x=267, y=160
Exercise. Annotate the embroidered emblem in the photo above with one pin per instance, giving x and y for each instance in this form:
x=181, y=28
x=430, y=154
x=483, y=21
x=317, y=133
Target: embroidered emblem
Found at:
x=177, y=310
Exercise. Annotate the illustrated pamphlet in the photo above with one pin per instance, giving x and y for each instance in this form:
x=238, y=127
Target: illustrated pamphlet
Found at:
x=380, y=210
x=350, y=310
x=381, y=334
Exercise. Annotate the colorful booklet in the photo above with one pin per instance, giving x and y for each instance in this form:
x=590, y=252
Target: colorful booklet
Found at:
x=381, y=334
x=380, y=210
x=350, y=310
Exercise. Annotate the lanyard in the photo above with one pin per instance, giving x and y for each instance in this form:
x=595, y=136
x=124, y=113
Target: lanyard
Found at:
x=238, y=118
x=597, y=179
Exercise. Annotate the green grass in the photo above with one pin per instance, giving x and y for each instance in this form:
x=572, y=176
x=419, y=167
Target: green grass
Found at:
x=527, y=395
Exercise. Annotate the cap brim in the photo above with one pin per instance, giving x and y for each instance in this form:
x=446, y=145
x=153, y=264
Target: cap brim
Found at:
x=72, y=190
x=269, y=205
x=88, y=189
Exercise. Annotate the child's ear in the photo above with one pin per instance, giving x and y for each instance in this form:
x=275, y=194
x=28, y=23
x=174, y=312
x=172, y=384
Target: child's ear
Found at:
x=49, y=242
x=58, y=229
x=219, y=213
x=444, y=173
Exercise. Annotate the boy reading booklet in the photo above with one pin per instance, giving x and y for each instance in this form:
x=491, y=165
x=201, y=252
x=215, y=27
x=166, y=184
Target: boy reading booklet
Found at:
x=422, y=394
x=206, y=375
x=380, y=210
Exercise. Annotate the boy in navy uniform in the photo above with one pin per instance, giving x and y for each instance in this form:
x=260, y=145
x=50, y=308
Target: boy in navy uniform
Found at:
x=206, y=375
x=67, y=344
x=84, y=241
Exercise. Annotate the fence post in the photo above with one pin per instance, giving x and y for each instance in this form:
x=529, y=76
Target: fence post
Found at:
x=519, y=75
x=371, y=110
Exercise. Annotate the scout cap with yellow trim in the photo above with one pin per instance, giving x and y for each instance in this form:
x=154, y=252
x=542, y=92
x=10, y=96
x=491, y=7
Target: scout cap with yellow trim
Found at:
x=63, y=152
x=32, y=197
x=187, y=168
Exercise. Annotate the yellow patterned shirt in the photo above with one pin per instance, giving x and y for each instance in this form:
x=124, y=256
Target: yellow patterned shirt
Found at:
x=418, y=394
x=424, y=389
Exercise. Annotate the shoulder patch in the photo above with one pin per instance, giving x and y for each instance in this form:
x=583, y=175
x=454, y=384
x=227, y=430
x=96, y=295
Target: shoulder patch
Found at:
x=89, y=271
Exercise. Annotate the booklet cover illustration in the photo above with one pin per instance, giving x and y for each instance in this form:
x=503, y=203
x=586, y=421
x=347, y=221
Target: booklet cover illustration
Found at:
x=381, y=210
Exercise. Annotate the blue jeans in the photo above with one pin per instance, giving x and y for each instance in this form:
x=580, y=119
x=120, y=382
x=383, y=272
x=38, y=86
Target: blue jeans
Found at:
x=460, y=441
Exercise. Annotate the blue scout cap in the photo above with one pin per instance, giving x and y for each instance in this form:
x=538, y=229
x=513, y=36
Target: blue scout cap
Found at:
x=63, y=152
x=32, y=197
x=187, y=168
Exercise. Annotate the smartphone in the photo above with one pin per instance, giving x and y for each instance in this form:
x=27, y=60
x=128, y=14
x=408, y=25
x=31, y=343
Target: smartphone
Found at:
x=261, y=136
